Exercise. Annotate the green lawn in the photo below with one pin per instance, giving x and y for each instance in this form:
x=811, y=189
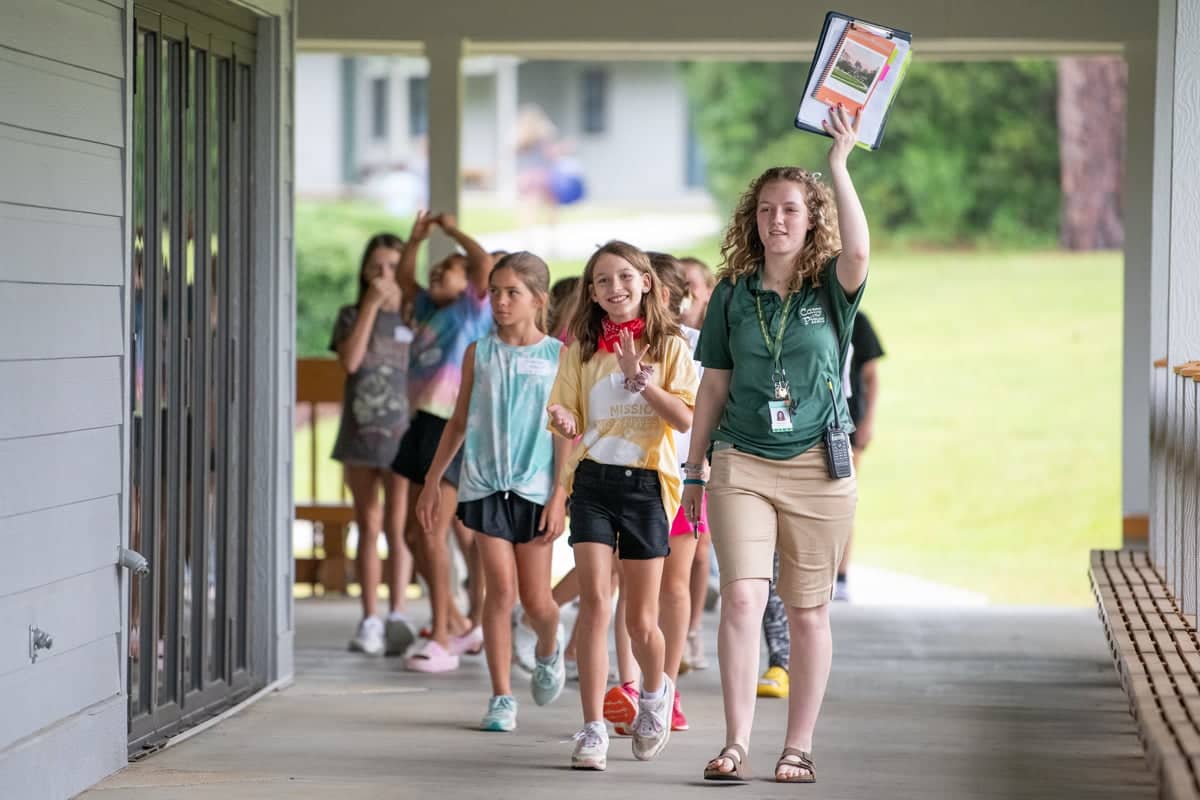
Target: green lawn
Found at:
x=848, y=79
x=996, y=464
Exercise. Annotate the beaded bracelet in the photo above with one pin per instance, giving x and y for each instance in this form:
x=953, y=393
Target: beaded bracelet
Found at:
x=638, y=383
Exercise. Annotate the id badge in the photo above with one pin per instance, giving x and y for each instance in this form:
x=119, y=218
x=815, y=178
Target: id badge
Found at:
x=780, y=413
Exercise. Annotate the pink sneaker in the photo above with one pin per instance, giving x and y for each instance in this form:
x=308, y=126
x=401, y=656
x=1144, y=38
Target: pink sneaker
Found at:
x=620, y=707
x=678, y=720
x=431, y=657
x=469, y=644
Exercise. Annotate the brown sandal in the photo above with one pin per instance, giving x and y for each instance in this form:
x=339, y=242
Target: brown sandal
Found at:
x=797, y=759
x=736, y=754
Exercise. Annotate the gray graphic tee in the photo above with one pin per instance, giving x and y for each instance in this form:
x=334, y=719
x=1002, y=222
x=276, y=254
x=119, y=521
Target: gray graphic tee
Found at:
x=375, y=407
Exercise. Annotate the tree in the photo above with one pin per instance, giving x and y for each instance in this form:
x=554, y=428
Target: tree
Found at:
x=970, y=151
x=1091, y=141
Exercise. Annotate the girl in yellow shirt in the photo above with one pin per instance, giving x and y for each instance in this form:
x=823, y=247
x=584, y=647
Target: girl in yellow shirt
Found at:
x=624, y=386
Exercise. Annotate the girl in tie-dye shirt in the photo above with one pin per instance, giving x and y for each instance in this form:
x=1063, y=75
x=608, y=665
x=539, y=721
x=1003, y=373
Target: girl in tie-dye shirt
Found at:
x=448, y=316
x=509, y=494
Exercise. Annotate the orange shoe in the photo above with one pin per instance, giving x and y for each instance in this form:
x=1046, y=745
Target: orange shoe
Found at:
x=620, y=708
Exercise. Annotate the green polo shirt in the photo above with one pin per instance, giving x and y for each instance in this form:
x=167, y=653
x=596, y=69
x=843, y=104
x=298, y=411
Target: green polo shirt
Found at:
x=732, y=340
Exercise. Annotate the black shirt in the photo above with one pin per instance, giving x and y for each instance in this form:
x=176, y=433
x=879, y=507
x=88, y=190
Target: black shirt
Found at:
x=867, y=347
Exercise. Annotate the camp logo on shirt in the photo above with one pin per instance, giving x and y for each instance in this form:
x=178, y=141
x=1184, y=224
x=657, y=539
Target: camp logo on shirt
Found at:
x=812, y=315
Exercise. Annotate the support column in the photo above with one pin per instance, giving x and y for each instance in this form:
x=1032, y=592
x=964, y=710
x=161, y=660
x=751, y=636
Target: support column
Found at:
x=1183, y=301
x=1164, y=98
x=506, y=130
x=1138, y=192
x=445, y=132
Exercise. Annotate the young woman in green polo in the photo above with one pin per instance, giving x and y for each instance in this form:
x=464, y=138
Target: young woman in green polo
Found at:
x=794, y=264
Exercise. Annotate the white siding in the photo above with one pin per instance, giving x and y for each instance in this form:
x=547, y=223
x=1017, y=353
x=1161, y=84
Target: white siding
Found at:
x=319, y=123
x=63, y=341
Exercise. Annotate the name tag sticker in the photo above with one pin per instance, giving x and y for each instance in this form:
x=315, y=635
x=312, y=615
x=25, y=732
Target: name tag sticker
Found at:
x=534, y=366
x=780, y=415
x=402, y=334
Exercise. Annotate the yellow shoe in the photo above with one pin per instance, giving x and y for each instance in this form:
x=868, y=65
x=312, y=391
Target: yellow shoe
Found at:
x=773, y=683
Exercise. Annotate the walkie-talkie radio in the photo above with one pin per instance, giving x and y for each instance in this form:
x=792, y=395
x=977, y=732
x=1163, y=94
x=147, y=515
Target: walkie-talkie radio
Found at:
x=837, y=444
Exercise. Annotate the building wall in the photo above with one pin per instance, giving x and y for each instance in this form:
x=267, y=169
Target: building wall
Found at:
x=640, y=156
x=318, y=123
x=624, y=164
x=63, y=140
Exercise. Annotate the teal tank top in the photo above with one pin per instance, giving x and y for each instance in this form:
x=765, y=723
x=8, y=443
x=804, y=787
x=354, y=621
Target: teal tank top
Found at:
x=508, y=447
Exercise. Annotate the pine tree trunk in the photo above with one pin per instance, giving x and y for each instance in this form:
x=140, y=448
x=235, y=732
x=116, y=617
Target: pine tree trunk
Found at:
x=1091, y=137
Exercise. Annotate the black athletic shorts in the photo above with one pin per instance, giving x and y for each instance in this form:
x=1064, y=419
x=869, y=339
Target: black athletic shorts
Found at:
x=621, y=507
x=503, y=515
x=418, y=448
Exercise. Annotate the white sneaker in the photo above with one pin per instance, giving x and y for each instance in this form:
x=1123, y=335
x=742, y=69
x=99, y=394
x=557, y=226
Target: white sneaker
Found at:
x=369, y=637
x=571, y=667
x=524, y=643
x=652, y=727
x=591, y=747
x=547, y=680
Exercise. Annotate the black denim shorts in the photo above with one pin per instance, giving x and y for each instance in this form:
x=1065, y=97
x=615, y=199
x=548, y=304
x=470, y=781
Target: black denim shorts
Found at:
x=621, y=507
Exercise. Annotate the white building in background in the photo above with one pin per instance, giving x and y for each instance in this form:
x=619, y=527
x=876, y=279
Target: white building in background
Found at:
x=362, y=122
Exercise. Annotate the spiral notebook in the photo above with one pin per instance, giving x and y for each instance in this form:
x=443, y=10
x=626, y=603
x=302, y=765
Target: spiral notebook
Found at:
x=860, y=65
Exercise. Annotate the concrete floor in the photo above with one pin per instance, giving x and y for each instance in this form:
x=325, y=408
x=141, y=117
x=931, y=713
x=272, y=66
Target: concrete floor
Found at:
x=968, y=703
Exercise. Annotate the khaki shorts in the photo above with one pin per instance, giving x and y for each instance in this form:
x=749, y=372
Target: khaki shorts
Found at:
x=757, y=505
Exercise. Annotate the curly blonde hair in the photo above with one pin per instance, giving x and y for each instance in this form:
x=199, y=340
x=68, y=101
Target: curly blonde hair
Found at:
x=742, y=249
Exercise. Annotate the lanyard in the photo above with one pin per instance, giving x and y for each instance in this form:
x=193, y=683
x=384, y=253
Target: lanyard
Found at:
x=774, y=349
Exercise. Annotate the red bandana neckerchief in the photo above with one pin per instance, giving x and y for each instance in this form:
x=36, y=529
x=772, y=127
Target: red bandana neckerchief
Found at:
x=610, y=332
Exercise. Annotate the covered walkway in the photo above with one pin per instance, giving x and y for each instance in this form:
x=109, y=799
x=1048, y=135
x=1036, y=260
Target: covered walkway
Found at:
x=924, y=703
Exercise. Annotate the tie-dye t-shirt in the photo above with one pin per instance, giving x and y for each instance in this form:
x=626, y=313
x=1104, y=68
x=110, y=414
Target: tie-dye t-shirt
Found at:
x=507, y=446
x=620, y=427
x=441, y=340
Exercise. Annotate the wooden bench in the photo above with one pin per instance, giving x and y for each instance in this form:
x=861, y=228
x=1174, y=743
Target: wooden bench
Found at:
x=1157, y=657
x=320, y=381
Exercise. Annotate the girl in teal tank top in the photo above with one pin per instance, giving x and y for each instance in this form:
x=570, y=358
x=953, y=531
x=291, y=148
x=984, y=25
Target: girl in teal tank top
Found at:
x=508, y=491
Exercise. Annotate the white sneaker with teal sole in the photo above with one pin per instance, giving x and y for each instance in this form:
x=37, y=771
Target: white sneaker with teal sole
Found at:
x=501, y=715
x=547, y=680
x=591, y=747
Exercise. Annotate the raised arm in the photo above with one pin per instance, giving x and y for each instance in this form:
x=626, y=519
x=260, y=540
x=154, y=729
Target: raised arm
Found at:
x=406, y=271
x=852, y=220
x=479, y=261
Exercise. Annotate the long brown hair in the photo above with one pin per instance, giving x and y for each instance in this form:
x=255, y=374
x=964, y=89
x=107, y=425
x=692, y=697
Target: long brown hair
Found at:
x=534, y=273
x=388, y=240
x=586, y=325
x=672, y=277
x=564, y=295
x=742, y=249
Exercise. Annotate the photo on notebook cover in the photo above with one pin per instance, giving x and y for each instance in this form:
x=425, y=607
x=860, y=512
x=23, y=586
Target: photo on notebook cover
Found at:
x=860, y=65
x=855, y=69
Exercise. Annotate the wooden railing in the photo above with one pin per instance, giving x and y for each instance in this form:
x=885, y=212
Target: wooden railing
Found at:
x=319, y=385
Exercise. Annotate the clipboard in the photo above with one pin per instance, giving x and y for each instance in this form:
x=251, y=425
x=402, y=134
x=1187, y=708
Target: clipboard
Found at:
x=879, y=96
